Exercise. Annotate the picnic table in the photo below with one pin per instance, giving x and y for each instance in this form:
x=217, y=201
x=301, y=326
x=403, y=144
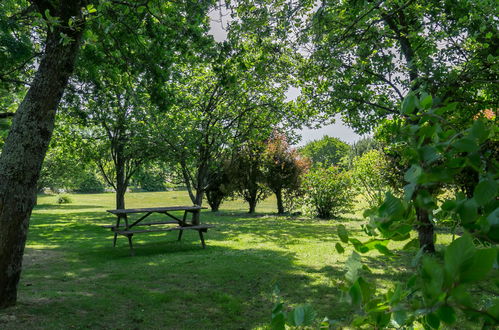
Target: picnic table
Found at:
x=129, y=229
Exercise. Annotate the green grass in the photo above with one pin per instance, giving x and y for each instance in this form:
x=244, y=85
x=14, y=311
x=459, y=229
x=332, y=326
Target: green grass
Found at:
x=74, y=278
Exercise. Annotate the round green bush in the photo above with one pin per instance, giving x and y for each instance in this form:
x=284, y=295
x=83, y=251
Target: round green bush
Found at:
x=329, y=192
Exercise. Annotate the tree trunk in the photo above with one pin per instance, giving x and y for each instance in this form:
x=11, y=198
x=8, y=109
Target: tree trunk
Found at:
x=25, y=148
x=280, y=206
x=252, y=205
x=214, y=199
x=198, y=201
x=425, y=231
x=120, y=179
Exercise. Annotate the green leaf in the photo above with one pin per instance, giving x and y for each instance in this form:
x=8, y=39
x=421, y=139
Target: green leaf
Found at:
x=481, y=265
x=278, y=322
x=383, y=249
x=485, y=191
x=409, y=191
x=432, y=320
x=339, y=248
x=400, y=317
x=391, y=207
x=466, y=145
x=343, y=233
x=355, y=294
x=412, y=244
x=493, y=218
x=413, y=174
x=302, y=315
x=461, y=295
x=458, y=255
x=447, y=314
x=449, y=205
x=426, y=102
x=468, y=211
x=494, y=309
x=479, y=130
x=409, y=104
x=353, y=265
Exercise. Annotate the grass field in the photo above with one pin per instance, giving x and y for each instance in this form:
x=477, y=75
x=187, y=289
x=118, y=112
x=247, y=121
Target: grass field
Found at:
x=74, y=278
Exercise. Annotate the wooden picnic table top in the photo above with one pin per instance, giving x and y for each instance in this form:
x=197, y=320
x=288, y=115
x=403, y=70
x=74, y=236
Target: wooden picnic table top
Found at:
x=157, y=209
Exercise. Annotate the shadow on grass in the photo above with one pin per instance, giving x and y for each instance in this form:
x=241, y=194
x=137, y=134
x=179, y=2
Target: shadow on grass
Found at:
x=74, y=277
x=166, y=285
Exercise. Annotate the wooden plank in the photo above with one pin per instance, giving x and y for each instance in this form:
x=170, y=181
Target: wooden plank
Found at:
x=144, y=224
x=157, y=209
x=199, y=227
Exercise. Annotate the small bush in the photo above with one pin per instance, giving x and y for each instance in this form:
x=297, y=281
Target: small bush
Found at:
x=329, y=192
x=63, y=199
x=90, y=184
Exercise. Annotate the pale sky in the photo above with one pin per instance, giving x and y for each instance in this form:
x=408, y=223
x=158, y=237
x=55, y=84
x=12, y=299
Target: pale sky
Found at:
x=338, y=129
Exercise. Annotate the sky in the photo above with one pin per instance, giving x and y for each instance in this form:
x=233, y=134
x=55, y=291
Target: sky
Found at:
x=338, y=129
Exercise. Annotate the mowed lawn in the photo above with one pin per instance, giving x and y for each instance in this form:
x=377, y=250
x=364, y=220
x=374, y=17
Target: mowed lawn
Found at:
x=74, y=278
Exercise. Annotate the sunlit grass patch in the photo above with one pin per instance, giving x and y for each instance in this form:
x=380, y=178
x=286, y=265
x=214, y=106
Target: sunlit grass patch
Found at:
x=74, y=277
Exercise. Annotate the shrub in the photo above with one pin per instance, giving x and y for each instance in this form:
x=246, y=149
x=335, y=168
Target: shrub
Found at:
x=90, y=184
x=329, y=192
x=369, y=174
x=63, y=199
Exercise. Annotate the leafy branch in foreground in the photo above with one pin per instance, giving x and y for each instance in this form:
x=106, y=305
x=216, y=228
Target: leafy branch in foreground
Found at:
x=439, y=292
x=442, y=289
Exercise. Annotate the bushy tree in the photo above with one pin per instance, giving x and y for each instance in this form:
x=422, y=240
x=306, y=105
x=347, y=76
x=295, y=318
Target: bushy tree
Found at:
x=325, y=152
x=329, y=191
x=283, y=169
x=220, y=186
x=247, y=174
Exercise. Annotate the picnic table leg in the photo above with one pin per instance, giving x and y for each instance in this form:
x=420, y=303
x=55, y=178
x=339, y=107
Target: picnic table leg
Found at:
x=132, y=252
x=202, y=238
x=180, y=232
x=184, y=218
x=115, y=233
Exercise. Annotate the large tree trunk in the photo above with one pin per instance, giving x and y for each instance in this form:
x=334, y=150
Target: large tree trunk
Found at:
x=280, y=205
x=425, y=231
x=26, y=145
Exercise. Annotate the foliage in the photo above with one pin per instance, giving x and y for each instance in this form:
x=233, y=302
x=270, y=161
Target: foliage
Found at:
x=325, y=152
x=359, y=148
x=63, y=199
x=300, y=316
x=220, y=186
x=283, y=169
x=369, y=173
x=151, y=177
x=439, y=292
x=88, y=182
x=247, y=174
x=367, y=55
x=329, y=192
x=235, y=93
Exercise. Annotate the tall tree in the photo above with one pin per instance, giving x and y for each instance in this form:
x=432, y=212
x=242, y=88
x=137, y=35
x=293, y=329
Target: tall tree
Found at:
x=283, y=168
x=367, y=56
x=327, y=151
x=59, y=33
x=231, y=96
x=29, y=136
x=247, y=173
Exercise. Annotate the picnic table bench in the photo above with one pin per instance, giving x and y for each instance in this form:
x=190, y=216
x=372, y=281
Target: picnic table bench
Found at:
x=128, y=229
